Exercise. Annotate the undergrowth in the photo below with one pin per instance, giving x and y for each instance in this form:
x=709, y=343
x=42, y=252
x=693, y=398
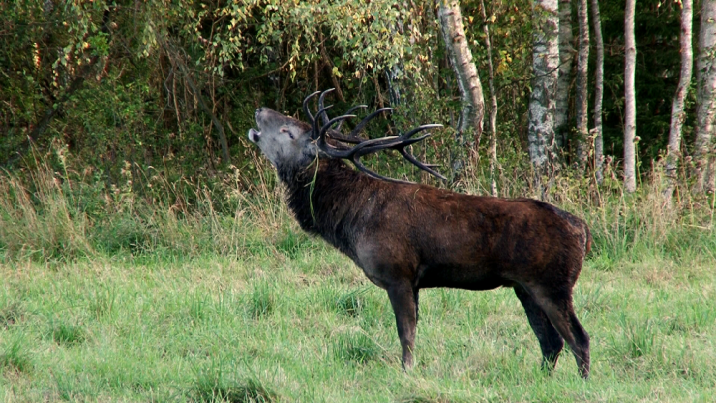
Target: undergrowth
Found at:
x=207, y=292
x=60, y=215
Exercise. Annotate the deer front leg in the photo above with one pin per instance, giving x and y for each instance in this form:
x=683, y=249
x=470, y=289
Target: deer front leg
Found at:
x=404, y=301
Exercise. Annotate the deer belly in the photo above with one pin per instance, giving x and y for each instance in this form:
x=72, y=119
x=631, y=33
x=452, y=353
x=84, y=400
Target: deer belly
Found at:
x=467, y=278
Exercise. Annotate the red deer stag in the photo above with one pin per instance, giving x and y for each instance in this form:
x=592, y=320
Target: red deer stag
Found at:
x=408, y=236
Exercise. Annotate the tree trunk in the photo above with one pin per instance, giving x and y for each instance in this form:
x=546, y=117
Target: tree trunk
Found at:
x=630, y=99
x=582, y=94
x=564, y=80
x=706, y=99
x=598, y=94
x=677, y=109
x=329, y=67
x=473, y=101
x=493, y=103
x=545, y=63
x=393, y=75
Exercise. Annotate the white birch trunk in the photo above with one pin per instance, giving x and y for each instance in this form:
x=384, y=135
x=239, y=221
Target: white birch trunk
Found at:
x=473, y=101
x=582, y=94
x=545, y=64
x=630, y=99
x=493, y=103
x=598, y=94
x=677, y=109
x=706, y=99
x=566, y=61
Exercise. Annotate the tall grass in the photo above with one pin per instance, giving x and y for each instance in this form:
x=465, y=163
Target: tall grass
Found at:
x=57, y=214
x=38, y=220
x=200, y=291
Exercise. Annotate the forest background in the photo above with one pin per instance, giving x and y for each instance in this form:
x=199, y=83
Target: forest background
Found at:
x=124, y=158
x=173, y=85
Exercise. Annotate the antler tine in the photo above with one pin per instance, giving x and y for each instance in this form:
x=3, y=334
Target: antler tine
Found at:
x=316, y=131
x=324, y=129
x=410, y=157
x=332, y=133
x=363, y=168
x=390, y=143
x=349, y=153
x=367, y=119
x=305, y=106
x=399, y=144
x=324, y=115
x=420, y=129
x=425, y=167
x=348, y=112
x=363, y=147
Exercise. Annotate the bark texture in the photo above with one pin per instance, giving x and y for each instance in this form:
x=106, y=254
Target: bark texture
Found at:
x=677, y=109
x=545, y=63
x=706, y=99
x=473, y=101
x=493, y=103
x=598, y=93
x=582, y=94
x=630, y=99
x=564, y=80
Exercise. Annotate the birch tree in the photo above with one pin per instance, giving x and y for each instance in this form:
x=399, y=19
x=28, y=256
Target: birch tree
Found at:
x=545, y=63
x=582, y=64
x=706, y=99
x=473, y=101
x=630, y=99
x=677, y=109
x=564, y=79
x=598, y=93
x=493, y=103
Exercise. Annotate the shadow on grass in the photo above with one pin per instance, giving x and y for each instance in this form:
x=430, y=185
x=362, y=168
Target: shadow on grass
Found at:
x=356, y=346
x=14, y=356
x=66, y=334
x=211, y=386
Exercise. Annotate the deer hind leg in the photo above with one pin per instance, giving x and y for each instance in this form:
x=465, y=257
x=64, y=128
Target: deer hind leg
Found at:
x=404, y=300
x=550, y=341
x=558, y=306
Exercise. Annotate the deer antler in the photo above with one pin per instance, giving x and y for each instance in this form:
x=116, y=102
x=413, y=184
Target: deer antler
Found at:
x=362, y=147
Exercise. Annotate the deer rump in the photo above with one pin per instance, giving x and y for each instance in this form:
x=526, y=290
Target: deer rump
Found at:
x=407, y=236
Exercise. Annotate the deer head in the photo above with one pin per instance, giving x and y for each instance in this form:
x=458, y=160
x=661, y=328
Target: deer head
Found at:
x=291, y=144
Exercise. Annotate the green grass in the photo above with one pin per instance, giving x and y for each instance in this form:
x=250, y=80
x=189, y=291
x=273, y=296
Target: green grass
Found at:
x=266, y=328
x=149, y=304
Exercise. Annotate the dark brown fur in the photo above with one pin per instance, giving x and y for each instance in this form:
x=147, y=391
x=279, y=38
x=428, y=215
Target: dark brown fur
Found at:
x=409, y=236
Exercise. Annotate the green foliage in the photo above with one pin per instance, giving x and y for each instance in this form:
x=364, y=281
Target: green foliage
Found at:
x=156, y=257
x=657, y=75
x=121, y=84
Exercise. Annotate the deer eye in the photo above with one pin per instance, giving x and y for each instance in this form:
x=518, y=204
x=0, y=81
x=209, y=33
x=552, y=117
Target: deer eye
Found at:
x=285, y=130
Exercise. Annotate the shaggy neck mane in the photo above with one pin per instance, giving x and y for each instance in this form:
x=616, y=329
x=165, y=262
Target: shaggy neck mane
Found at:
x=328, y=206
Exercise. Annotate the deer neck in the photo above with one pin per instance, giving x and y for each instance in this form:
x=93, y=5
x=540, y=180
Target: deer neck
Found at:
x=328, y=201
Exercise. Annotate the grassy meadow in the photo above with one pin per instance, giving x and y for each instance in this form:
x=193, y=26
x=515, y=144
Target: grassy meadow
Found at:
x=108, y=296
